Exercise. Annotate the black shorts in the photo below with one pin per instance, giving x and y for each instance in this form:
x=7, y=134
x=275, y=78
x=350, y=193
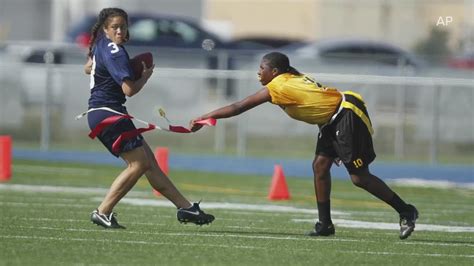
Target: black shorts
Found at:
x=348, y=139
x=110, y=134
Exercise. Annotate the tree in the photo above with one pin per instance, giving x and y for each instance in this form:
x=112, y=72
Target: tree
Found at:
x=435, y=46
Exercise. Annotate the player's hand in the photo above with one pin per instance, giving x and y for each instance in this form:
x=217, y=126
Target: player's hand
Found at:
x=147, y=72
x=193, y=126
x=88, y=66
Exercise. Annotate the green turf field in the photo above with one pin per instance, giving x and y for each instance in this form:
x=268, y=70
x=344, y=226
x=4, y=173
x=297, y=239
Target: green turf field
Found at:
x=45, y=211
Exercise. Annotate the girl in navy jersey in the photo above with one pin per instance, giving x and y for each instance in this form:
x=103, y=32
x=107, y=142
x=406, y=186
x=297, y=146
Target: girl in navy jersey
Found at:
x=111, y=79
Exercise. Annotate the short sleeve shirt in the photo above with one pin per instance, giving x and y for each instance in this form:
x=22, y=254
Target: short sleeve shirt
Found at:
x=302, y=98
x=110, y=68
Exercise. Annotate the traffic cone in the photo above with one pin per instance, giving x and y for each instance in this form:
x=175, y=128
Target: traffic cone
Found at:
x=161, y=157
x=279, y=188
x=5, y=158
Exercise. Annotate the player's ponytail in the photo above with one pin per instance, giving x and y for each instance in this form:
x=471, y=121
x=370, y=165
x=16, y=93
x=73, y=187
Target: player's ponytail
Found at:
x=293, y=71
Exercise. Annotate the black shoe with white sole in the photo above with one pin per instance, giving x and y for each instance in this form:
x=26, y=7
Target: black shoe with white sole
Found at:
x=323, y=229
x=106, y=221
x=407, y=221
x=195, y=215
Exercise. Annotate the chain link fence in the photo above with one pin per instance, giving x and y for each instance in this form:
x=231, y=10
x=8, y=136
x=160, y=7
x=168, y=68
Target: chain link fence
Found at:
x=415, y=118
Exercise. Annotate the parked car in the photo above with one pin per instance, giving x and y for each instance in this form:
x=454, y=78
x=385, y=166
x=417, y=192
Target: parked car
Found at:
x=57, y=54
x=360, y=56
x=265, y=43
x=462, y=61
x=154, y=30
x=174, y=41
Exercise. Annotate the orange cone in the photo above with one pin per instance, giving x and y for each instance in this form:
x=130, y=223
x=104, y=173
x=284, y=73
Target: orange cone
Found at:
x=279, y=188
x=161, y=157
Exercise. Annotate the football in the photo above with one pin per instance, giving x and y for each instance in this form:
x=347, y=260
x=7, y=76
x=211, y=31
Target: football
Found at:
x=136, y=63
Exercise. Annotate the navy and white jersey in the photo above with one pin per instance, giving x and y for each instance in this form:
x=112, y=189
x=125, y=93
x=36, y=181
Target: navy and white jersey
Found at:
x=110, y=68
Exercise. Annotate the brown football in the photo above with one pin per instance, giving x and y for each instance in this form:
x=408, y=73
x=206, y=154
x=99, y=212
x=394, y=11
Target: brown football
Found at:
x=136, y=63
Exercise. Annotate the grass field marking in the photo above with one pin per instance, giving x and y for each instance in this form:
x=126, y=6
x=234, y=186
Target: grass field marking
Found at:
x=247, y=207
x=100, y=229
x=224, y=235
x=32, y=204
x=289, y=209
x=47, y=219
x=64, y=189
x=441, y=244
x=139, y=223
x=393, y=226
x=229, y=206
x=133, y=242
x=226, y=226
x=410, y=254
x=201, y=234
x=417, y=182
x=37, y=199
x=306, y=238
x=207, y=188
x=108, y=241
x=36, y=169
x=82, y=221
x=162, y=224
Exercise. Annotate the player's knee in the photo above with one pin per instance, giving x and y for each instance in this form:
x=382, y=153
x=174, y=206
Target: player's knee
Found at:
x=141, y=166
x=359, y=180
x=321, y=167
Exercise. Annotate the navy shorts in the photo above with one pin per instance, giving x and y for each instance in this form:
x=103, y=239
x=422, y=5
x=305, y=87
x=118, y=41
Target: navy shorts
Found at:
x=348, y=139
x=110, y=134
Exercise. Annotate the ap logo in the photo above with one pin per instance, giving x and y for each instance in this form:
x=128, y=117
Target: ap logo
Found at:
x=444, y=21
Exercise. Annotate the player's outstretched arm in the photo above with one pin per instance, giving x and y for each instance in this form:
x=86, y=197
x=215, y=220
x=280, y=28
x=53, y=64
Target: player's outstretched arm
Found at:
x=234, y=109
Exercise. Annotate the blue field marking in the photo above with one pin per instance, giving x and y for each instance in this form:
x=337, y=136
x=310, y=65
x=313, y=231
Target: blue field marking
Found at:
x=263, y=166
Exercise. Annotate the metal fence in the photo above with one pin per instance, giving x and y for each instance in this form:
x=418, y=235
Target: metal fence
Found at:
x=415, y=118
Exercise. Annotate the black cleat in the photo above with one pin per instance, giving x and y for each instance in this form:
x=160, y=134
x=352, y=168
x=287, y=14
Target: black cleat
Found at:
x=106, y=221
x=407, y=221
x=321, y=229
x=194, y=215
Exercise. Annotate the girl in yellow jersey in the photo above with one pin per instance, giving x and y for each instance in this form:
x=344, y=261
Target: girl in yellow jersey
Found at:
x=345, y=134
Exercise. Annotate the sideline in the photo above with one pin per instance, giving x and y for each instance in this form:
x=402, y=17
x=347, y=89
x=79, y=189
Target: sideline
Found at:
x=454, y=175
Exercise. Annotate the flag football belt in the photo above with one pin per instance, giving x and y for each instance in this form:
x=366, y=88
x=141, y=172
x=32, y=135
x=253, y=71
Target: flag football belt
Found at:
x=355, y=102
x=133, y=133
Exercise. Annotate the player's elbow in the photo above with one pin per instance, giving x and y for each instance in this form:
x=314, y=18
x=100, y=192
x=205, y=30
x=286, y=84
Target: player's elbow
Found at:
x=237, y=109
x=129, y=93
x=130, y=88
x=88, y=67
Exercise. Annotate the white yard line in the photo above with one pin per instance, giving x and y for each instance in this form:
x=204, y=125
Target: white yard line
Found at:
x=392, y=226
x=54, y=170
x=417, y=182
x=63, y=189
x=229, y=235
x=133, y=242
x=246, y=207
x=143, y=242
x=227, y=206
x=407, y=254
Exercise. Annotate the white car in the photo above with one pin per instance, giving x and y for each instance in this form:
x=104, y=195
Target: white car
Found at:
x=353, y=56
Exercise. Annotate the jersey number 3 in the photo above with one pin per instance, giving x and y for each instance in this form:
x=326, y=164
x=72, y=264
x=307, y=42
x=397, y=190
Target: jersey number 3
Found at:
x=115, y=48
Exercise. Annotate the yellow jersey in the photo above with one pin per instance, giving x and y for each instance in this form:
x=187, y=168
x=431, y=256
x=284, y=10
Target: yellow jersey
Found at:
x=304, y=99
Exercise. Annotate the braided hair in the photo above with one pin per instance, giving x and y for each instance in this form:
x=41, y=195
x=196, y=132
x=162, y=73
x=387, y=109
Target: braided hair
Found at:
x=102, y=21
x=281, y=62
